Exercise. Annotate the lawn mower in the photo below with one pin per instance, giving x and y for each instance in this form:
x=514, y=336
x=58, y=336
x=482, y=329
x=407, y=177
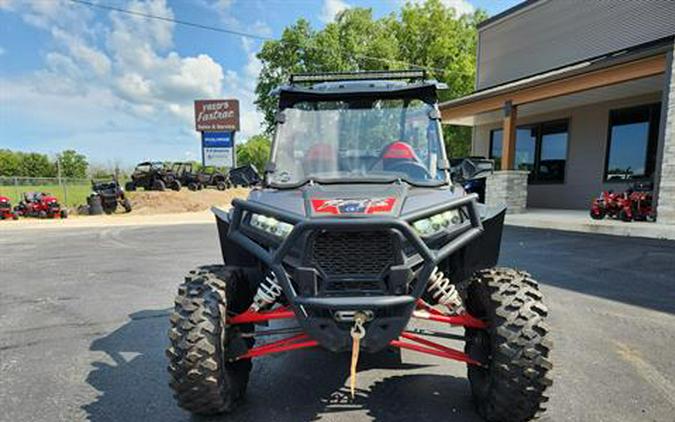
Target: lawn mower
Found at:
x=357, y=231
x=6, y=212
x=633, y=204
x=40, y=205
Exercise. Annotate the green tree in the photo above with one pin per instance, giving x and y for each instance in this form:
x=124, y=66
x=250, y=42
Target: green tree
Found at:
x=429, y=35
x=255, y=151
x=72, y=164
x=10, y=163
x=33, y=164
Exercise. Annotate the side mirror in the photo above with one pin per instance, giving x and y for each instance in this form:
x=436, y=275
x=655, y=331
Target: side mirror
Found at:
x=470, y=168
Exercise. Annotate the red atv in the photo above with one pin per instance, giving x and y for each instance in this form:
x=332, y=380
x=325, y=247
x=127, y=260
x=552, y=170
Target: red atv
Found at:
x=41, y=205
x=6, y=212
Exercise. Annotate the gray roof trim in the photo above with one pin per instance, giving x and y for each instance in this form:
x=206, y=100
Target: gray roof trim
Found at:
x=506, y=13
x=613, y=59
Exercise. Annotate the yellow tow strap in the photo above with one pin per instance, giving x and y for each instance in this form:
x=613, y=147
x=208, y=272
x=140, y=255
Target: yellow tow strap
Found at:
x=358, y=332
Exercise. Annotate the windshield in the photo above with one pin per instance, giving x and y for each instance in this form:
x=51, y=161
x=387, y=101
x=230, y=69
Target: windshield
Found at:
x=358, y=140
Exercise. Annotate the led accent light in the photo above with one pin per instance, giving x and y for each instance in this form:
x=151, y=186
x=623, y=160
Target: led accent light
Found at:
x=270, y=225
x=437, y=223
x=357, y=76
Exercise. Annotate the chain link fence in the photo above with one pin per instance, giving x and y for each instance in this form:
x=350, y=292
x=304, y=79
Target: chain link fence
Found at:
x=70, y=192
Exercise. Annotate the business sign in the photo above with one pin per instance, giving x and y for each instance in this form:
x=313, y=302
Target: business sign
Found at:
x=216, y=115
x=218, y=149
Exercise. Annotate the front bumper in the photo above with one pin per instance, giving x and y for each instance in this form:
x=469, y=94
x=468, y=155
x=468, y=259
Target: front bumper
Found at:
x=392, y=308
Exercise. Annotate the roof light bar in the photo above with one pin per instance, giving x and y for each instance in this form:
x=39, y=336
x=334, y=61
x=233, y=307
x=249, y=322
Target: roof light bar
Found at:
x=358, y=76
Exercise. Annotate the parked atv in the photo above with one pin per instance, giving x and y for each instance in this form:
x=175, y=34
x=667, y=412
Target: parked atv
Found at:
x=356, y=230
x=110, y=195
x=40, y=205
x=244, y=176
x=6, y=212
x=152, y=176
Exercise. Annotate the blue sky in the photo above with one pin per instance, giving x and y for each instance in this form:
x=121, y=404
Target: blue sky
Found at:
x=120, y=88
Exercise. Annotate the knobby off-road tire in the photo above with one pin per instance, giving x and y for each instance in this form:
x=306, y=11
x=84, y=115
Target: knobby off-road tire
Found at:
x=126, y=204
x=515, y=346
x=599, y=215
x=202, y=380
x=159, y=185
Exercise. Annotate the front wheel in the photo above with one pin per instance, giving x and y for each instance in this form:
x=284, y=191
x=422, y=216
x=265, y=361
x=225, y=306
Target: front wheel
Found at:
x=625, y=216
x=126, y=204
x=159, y=185
x=202, y=379
x=598, y=213
x=514, y=348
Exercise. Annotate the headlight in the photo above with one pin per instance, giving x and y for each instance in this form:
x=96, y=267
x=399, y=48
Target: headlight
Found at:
x=437, y=223
x=270, y=225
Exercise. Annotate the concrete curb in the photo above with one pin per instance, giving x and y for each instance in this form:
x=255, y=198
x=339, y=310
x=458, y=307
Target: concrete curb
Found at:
x=579, y=221
x=201, y=217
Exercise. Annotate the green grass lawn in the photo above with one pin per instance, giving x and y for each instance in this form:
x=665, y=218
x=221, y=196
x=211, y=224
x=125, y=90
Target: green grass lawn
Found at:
x=69, y=195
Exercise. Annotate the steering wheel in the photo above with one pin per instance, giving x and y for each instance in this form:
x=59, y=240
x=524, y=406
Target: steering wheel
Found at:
x=413, y=169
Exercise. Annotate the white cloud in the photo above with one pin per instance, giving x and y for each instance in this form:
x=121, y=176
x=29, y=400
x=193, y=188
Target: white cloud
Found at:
x=127, y=67
x=462, y=7
x=331, y=8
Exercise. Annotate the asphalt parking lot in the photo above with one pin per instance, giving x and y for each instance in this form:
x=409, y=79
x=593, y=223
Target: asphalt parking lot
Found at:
x=83, y=321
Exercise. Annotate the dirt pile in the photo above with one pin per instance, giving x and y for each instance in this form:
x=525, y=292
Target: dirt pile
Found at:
x=147, y=203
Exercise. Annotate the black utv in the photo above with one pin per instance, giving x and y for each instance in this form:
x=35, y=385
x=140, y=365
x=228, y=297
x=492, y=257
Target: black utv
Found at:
x=153, y=175
x=357, y=231
x=188, y=175
x=107, y=195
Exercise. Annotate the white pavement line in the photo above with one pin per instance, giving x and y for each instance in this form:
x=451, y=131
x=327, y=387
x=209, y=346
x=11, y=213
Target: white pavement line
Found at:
x=647, y=372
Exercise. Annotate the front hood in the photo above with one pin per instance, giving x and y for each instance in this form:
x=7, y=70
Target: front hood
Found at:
x=354, y=200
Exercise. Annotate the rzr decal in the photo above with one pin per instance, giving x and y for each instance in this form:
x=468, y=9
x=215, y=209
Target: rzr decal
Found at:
x=353, y=206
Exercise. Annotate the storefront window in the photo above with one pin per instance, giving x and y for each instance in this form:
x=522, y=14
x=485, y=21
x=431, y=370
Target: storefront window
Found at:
x=541, y=149
x=553, y=154
x=631, y=151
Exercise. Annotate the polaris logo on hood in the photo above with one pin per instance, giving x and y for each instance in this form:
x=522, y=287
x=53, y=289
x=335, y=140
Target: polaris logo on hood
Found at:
x=353, y=206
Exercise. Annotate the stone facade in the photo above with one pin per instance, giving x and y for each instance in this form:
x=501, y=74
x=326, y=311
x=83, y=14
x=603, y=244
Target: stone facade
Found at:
x=507, y=188
x=666, y=188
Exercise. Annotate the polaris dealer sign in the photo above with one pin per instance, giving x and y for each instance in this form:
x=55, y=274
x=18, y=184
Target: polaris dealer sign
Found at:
x=217, y=120
x=218, y=149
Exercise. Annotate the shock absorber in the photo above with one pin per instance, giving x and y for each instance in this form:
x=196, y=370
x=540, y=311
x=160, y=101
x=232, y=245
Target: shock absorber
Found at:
x=443, y=291
x=268, y=293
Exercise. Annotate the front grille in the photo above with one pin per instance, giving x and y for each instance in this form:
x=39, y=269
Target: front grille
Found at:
x=353, y=253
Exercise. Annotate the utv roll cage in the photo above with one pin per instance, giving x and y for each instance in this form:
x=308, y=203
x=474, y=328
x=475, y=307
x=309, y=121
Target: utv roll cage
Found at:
x=361, y=85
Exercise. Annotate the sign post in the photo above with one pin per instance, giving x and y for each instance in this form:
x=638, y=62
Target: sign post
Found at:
x=217, y=120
